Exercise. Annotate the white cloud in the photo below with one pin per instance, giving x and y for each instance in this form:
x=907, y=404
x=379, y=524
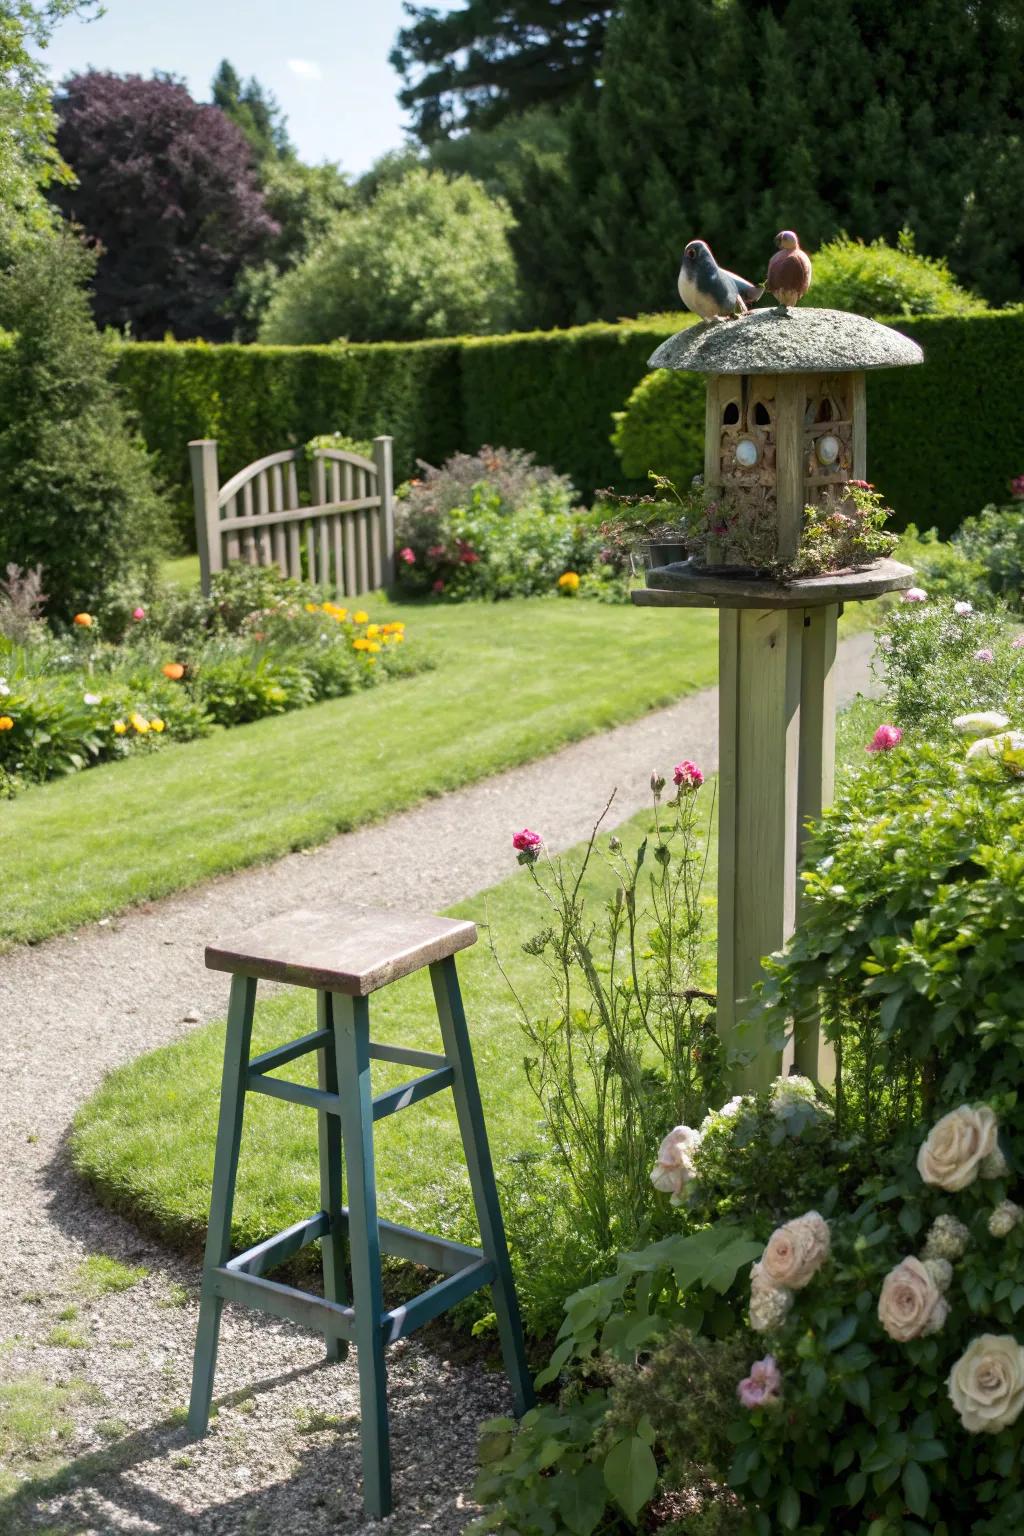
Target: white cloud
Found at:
x=306, y=69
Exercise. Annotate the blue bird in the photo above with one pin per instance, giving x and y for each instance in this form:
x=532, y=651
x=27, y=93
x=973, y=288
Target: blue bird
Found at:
x=709, y=290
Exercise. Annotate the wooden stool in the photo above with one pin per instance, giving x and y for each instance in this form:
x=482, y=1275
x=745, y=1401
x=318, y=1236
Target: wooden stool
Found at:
x=344, y=956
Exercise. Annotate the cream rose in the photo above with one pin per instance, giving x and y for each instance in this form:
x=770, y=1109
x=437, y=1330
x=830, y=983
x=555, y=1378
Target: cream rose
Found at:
x=957, y=1145
x=769, y=1304
x=981, y=722
x=796, y=1251
x=674, y=1169
x=987, y=1383
x=911, y=1304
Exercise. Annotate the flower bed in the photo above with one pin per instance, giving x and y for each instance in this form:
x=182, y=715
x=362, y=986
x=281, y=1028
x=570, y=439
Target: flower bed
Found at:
x=139, y=675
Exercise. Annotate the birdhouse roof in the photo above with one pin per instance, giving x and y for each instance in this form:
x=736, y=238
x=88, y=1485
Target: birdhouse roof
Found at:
x=779, y=340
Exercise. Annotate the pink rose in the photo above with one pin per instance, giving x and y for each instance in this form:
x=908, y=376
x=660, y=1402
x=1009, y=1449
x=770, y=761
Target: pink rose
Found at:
x=984, y=654
x=885, y=738
x=763, y=1386
x=687, y=776
x=528, y=845
x=138, y=614
x=675, y=1171
x=469, y=557
x=436, y=551
x=407, y=555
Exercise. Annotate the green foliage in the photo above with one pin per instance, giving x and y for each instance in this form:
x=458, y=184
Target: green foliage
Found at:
x=994, y=542
x=77, y=490
x=879, y=279
x=428, y=257
x=929, y=659
x=490, y=525
x=941, y=567
x=253, y=109
x=29, y=162
x=939, y=447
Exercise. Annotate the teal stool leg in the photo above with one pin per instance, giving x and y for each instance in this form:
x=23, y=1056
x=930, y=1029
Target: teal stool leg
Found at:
x=469, y=1110
x=352, y=1040
x=241, y=1007
x=332, y=1244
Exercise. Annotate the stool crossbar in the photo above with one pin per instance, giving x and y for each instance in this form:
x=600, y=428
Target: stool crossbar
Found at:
x=344, y=956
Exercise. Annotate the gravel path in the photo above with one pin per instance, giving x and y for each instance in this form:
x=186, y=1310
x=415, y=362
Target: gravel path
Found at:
x=284, y=1451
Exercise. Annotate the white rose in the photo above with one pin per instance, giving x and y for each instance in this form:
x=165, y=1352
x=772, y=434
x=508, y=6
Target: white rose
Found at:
x=911, y=1304
x=986, y=1384
x=981, y=722
x=674, y=1169
x=796, y=1251
x=1004, y=1218
x=769, y=1304
x=957, y=1145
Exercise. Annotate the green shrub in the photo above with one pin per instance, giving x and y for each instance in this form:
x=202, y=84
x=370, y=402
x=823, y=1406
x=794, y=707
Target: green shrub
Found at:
x=994, y=542
x=942, y=568
x=428, y=257
x=76, y=490
x=661, y=427
x=878, y=279
x=491, y=525
x=937, y=664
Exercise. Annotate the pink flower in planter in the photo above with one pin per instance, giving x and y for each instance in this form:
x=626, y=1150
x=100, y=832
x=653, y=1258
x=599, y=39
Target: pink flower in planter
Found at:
x=885, y=738
x=407, y=555
x=138, y=614
x=984, y=654
x=763, y=1386
x=687, y=777
x=527, y=845
x=963, y=608
x=915, y=595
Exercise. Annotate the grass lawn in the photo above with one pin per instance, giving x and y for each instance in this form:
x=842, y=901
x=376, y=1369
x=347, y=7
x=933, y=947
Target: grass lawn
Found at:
x=512, y=682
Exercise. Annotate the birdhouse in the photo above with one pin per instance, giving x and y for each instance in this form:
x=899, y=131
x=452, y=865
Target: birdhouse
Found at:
x=786, y=419
x=786, y=428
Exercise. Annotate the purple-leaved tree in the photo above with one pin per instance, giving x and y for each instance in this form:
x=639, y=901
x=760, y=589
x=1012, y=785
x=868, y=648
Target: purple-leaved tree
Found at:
x=167, y=187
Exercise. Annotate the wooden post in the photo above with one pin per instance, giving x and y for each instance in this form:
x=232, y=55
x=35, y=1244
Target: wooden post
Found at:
x=205, y=489
x=760, y=663
x=790, y=498
x=860, y=426
x=382, y=457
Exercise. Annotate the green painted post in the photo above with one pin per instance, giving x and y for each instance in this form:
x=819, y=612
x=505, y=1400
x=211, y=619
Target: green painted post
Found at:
x=241, y=1007
x=352, y=1043
x=332, y=1244
x=469, y=1111
x=812, y=1053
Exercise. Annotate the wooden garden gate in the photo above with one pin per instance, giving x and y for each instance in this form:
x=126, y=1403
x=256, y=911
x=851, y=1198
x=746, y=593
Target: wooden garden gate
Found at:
x=342, y=539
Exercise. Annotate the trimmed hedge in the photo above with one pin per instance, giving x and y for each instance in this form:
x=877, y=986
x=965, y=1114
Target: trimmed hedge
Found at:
x=943, y=439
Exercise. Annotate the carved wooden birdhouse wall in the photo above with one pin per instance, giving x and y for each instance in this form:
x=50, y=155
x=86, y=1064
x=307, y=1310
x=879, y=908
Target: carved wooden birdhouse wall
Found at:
x=786, y=422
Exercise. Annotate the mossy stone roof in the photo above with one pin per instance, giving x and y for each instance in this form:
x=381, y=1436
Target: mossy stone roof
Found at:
x=779, y=340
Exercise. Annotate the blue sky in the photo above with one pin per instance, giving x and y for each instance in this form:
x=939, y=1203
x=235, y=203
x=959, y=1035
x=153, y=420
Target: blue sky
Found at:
x=326, y=61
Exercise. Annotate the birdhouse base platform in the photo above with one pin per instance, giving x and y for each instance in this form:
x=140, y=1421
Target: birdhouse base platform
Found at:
x=685, y=585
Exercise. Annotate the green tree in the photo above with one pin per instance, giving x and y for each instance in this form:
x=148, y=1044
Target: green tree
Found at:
x=76, y=490
x=29, y=161
x=475, y=66
x=428, y=257
x=254, y=109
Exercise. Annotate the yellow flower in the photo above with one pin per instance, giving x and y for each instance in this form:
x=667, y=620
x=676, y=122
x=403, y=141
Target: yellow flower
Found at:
x=372, y=645
x=156, y=725
x=373, y=631
x=312, y=608
x=362, y=644
x=361, y=617
x=331, y=608
x=569, y=581
x=6, y=723
x=139, y=723
x=119, y=728
x=396, y=627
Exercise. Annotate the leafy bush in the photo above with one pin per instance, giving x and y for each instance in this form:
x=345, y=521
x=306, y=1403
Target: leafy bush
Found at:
x=938, y=663
x=428, y=257
x=877, y=279
x=994, y=542
x=491, y=524
x=77, y=493
x=661, y=427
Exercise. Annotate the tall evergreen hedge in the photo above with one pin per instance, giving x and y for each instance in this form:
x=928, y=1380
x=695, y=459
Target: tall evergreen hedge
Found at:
x=943, y=439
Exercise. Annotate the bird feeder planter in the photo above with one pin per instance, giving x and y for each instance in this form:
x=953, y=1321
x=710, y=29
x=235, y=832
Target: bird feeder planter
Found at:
x=785, y=429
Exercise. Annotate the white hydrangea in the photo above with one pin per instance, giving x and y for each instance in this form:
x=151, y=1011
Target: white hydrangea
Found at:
x=1004, y=1218
x=947, y=1239
x=941, y=1273
x=736, y=1105
x=981, y=722
x=794, y=1089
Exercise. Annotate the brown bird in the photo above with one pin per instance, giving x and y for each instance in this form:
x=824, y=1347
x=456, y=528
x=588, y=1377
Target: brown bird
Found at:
x=789, y=271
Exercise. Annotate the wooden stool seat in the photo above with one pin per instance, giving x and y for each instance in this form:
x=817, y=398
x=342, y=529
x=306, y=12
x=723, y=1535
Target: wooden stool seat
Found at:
x=343, y=956
x=352, y=950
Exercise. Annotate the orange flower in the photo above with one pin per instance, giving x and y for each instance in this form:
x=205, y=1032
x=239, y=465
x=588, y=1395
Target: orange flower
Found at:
x=84, y=620
x=174, y=670
x=6, y=723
